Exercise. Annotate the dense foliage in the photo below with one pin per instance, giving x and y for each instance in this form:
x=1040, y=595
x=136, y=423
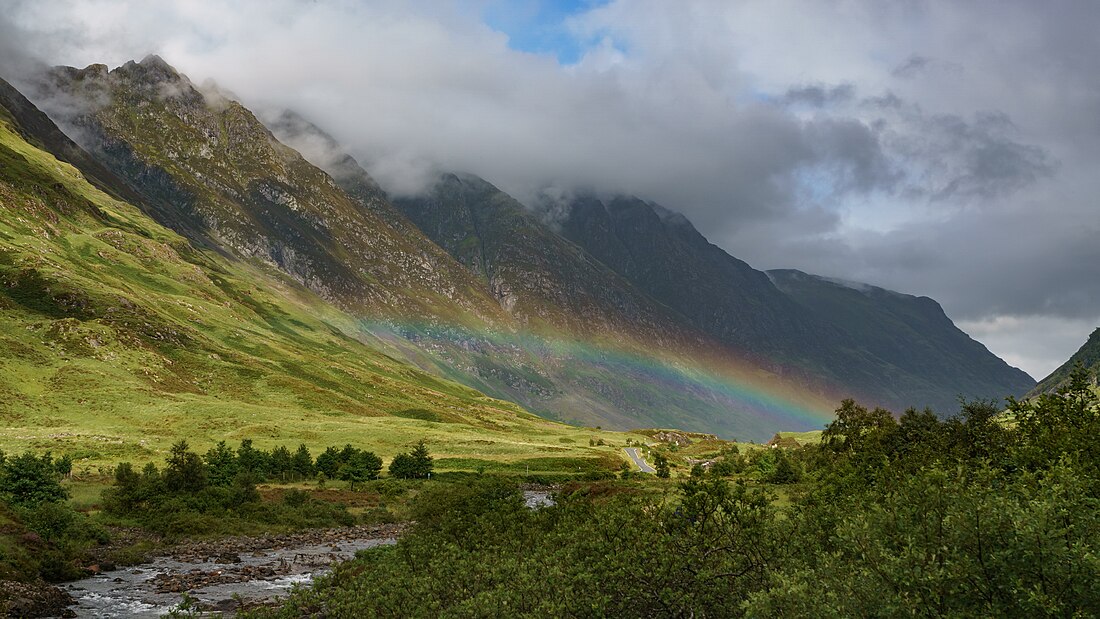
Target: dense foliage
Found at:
x=33, y=499
x=217, y=492
x=977, y=516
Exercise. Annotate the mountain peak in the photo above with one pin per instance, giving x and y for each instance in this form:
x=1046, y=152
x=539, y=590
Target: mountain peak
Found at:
x=152, y=68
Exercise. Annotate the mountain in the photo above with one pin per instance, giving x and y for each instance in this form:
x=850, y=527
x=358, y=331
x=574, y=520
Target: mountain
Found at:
x=931, y=361
x=618, y=313
x=534, y=273
x=878, y=346
x=119, y=336
x=597, y=354
x=208, y=169
x=662, y=254
x=1088, y=356
x=890, y=353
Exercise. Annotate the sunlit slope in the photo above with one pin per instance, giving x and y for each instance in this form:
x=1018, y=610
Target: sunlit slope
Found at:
x=118, y=337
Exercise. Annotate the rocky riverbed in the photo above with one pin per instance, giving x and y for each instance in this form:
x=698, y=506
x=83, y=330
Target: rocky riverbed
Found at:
x=222, y=575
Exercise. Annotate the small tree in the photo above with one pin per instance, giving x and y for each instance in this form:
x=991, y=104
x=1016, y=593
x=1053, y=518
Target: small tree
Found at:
x=280, y=464
x=784, y=472
x=185, y=471
x=363, y=466
x=661, y=464
x=328, y=463
x=221, y=464
x=422, y=461
x=302, y=462
x=64, y=465
x=403, y=466
x=251, y=459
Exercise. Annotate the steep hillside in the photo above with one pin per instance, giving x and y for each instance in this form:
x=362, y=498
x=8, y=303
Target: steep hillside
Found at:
x=537, y=275
x=664, y=255
x=211, y=171
x=931, y=358
x=1088, y=356
x=118, y=337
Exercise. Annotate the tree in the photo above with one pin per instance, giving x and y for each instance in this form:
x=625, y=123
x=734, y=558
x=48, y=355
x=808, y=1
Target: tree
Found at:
x=784, y=472
x=1064, y=422
x=185, y=471
x=661, y=464
x=422, y=461
x=251, y=459
x=28, y=480
x=328, y=463
x=64, y=465
x=280, y=463
x=403, y=466
x=347, y=452
x=302, y=462
x=221, y=464
x=856, y=429
x=363, y=466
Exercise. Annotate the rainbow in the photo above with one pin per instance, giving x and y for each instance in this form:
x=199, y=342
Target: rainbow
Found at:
x=710, y=391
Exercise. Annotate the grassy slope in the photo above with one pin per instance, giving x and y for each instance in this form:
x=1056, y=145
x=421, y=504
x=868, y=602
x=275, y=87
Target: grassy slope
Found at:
x=117, y=337
x=1088, y=356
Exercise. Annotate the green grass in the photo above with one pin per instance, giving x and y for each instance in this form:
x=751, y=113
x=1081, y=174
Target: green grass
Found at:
x=805, y=438
x=117, y=338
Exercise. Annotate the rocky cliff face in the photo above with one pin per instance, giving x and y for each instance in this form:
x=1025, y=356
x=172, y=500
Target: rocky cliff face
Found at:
x=534, y=273
x=206, y=167
x=665, y=256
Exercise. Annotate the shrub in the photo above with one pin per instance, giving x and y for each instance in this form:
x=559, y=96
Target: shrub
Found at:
x=28, y=480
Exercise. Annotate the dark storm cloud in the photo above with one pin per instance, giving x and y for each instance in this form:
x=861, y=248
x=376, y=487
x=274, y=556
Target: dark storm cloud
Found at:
x=911, y=67
x=953, y=158
x=938, y=148
x=819, y=95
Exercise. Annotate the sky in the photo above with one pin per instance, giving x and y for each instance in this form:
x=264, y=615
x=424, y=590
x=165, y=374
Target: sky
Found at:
x=946, y=149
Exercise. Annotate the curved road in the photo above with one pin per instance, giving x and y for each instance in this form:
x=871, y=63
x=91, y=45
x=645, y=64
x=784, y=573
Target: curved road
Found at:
x=633, y=453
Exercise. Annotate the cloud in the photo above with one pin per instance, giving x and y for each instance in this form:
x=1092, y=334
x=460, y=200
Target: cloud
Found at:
x=936, y=148
x=819, y=95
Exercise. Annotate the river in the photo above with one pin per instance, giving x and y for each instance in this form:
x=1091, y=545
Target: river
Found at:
x=221, y=575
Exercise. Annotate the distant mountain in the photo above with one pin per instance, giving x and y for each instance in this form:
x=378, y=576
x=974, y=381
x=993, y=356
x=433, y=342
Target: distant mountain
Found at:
x=662, y=254
x=537, y=275
x=879, y=346
x=1088, y=356
x=930, y=360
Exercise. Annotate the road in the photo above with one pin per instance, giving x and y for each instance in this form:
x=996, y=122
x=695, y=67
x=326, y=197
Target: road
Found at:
x=633, y=453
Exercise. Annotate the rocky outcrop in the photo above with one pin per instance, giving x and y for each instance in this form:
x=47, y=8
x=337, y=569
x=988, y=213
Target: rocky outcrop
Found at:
x=33, y=599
